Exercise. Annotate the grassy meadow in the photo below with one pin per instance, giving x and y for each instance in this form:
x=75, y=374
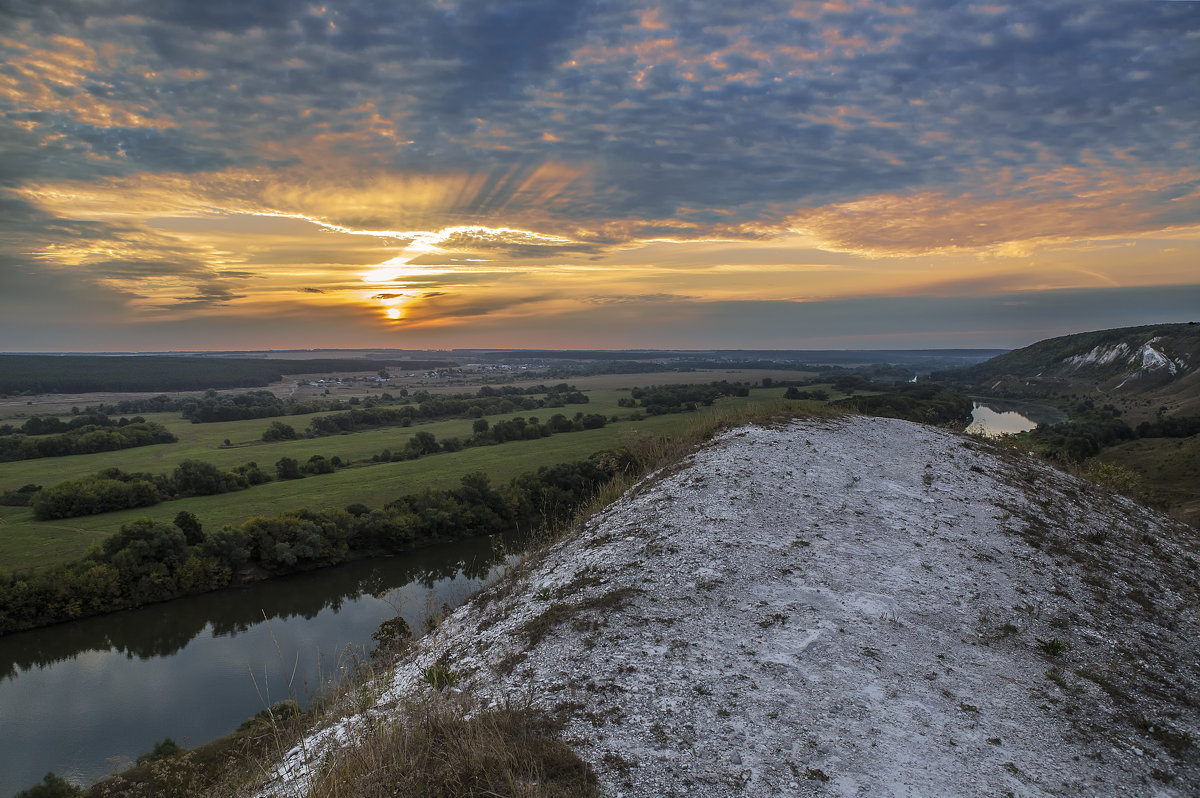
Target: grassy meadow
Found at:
x=26, y=543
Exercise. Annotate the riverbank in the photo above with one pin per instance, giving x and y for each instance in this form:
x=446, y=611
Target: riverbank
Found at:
x=838, y=606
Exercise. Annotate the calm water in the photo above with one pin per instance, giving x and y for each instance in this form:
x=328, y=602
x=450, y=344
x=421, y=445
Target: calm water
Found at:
x=993, y=417
x=87, y=698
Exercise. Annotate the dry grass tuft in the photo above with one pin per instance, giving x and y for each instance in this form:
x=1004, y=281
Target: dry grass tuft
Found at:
x=445, y=747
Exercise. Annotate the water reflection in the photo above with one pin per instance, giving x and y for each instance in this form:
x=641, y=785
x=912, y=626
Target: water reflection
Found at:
x=995, y=417
x=86, y=698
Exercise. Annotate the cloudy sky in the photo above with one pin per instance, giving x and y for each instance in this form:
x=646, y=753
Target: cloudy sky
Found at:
x=182, y=174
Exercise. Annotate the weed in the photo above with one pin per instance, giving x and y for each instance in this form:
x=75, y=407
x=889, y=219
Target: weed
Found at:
x=449, y=747
x=617, y=762
x=439, y=676
x=1118, y=695
x=536, y=629
x=1052, y=647
x=999, y=632
x=815, y=774
x=1176, y=742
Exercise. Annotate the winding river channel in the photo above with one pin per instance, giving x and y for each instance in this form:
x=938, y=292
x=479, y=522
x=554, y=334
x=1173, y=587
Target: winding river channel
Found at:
x=87, y=698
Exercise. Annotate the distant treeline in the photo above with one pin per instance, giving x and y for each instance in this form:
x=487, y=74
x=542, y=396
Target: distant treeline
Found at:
x=212, y=406
x=114, y=489
x=33, y=374
x=149, y=561
x=923, y=402
x=661, y=399
x=514, y=429
x=82, y=435
x=488, y=401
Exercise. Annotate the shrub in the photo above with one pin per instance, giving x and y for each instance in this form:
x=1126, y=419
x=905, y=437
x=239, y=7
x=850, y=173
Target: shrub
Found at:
x=163, y=749
x=51, y=787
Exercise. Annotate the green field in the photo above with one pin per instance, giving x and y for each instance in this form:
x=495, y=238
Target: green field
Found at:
x=26, y=543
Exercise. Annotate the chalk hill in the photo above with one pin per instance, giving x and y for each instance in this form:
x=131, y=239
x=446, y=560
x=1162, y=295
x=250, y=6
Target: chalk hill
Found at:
x=852, y=606
x=1148, y=367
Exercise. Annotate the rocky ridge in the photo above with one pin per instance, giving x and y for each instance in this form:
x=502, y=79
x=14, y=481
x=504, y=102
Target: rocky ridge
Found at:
x=853, y=606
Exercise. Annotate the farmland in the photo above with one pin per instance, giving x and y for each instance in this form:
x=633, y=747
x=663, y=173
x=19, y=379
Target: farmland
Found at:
x=26, y=542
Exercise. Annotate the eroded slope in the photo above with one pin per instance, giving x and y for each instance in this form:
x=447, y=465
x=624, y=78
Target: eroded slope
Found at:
x=849, y=607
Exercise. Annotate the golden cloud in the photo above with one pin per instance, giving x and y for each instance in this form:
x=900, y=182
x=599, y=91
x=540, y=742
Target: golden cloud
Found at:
x=1011, y=215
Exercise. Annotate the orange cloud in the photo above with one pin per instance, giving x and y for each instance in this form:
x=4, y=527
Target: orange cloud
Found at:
x=1012, y=214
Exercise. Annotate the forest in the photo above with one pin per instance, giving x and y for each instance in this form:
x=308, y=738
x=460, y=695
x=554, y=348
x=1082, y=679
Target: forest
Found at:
x=33, y=374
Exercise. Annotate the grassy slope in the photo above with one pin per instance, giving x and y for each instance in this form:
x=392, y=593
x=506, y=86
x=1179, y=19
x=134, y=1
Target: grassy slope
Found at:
x=1171, y=469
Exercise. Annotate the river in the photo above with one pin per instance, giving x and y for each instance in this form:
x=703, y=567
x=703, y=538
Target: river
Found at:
x=86, y=698
x=994, y=417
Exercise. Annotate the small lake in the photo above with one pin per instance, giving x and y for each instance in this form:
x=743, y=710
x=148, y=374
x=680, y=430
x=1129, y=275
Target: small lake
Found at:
x=995, y=417
x=85, y=699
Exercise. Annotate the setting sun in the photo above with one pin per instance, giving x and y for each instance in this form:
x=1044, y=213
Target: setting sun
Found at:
x=806, y=175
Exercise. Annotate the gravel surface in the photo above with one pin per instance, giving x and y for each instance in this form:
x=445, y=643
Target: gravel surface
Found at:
x=854, y=606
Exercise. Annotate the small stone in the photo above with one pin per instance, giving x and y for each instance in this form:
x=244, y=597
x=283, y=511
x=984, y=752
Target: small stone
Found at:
x=736, y=758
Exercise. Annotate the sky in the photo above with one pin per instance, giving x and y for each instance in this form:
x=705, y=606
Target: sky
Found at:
x=432, y=174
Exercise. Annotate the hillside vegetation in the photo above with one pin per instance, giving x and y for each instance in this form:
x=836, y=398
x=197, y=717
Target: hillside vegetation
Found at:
x=1137, y=369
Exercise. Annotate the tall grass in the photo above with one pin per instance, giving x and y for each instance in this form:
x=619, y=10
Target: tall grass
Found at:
x=444, y=746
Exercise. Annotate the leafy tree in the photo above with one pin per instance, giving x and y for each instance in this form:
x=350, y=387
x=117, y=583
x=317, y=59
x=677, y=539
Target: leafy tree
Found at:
x=163, y=749
x=279, y=431
x=189, y=524
x=317, y=464
x=197, y=478
x=288, y=468
x=423, y=442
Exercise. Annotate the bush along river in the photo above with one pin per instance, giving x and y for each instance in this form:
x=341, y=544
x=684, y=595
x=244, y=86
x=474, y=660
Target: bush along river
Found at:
x=995, y=417
x=85, y=699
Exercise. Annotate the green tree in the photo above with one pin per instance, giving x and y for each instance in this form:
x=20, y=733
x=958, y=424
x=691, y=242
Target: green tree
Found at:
x=423, y=443
x=288, y=468
x=278, y=431
x=190, y=525
x=197, y=478
x=163, y=749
